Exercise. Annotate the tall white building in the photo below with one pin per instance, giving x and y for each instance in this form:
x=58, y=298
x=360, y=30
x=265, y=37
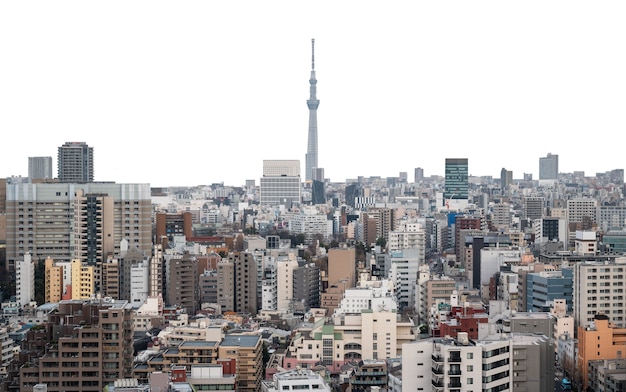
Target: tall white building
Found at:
x=139, y=283
x=281, y=183
x=599, y=289
x=408, y=236
x=403, y=266
x=311, y=222
x=25, y=280
x=269, y=295
x=284, y=281
x=582, y=208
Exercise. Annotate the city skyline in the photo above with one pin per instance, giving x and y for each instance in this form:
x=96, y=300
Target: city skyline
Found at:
x=203, y=93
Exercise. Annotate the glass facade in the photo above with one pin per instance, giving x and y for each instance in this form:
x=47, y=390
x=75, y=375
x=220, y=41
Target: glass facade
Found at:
x=456, y=179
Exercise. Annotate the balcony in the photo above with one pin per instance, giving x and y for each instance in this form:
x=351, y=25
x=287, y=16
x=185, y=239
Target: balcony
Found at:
x=454, y=385
x=454, y=372
x=437, y=370
x=454, y=359
x=437, y=383
x=437, y=358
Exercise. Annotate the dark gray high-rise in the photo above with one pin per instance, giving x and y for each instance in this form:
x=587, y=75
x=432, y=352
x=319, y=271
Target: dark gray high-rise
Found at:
x=312, y=103
x=75, y=163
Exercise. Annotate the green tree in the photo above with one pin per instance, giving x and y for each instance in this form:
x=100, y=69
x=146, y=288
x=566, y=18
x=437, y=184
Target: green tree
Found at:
x=40, y=282
x=266, y=357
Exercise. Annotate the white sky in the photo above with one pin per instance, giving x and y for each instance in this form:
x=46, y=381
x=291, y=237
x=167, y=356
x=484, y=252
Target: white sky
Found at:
x=196, y=92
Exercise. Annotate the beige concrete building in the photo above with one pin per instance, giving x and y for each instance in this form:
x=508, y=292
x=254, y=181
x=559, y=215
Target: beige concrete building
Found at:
x=342, y=266
x=53, y=281
x=247, y=350
x=83, y=282
x=599, y=289
x=66, y=221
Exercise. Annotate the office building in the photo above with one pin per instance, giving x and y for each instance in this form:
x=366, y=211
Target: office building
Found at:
x=75, y=163
x=542, y=288
x=611, y=217
x=582, y=210
x=506, y=178
x=456, y=194
x=533, y=207
x=280, y=184
x=599, y=290
x=40, y=168
x=418, y=175
x=312, y=103
x=549, y=167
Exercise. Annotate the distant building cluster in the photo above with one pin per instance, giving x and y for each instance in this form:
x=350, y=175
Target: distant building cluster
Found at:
x=446, y=283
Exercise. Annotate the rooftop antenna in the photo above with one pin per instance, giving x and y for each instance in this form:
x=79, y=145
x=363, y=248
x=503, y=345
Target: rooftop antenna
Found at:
x=313, y=53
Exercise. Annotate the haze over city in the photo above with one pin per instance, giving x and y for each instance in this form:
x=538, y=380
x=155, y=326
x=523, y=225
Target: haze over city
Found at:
x=203, y=92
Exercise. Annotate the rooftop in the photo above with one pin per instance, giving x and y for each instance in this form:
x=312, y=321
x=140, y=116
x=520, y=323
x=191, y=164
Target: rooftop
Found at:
x=241, y=340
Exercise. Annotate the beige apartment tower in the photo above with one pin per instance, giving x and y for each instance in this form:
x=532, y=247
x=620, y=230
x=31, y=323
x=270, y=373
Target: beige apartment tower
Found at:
x=53, y=281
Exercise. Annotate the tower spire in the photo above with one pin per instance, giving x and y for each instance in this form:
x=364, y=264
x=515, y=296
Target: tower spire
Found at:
x=312, y=103
x=313, y=54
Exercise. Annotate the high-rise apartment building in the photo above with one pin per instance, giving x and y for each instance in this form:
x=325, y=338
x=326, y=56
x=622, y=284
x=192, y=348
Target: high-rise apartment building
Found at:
x=307, y=286
x=25, y=280
x=456, y=182
x=549, y=167
x=280, y=184
x=312, y=103
x=39, y=168
x=182, y=282
x=84, y=221
x=599, y=290
x=533, y=207
x=506, y=178
x=75, y=163
x=418, y=175
x=237, y=283
x=92, y=347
